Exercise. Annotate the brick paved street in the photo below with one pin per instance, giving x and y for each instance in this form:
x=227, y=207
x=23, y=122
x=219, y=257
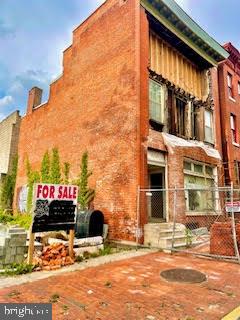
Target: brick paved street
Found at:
x=133, y=289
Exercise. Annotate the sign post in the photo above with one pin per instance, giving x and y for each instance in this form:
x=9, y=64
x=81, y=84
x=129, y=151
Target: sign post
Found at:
x=71, y=242
x=31, y=248
x=54, y=209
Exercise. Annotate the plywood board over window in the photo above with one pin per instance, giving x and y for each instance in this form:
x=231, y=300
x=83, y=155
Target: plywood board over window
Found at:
x=172, y=65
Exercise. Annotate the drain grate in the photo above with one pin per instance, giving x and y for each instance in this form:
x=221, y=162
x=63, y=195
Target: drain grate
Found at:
x=183, y=275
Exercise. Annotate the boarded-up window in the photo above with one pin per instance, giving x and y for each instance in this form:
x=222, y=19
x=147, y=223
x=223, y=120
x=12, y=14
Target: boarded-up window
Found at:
x=156, y=101
x=195, y=123
x=181, y=116
x=209, y=136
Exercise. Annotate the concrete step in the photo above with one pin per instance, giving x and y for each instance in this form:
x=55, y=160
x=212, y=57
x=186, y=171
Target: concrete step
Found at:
x=167, y=241
x=164, y=242
x=159, y=235
x=164, y=233
x=163, y=226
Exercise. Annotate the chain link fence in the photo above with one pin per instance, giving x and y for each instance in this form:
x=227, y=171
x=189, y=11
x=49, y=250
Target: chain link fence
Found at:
x=200, y=221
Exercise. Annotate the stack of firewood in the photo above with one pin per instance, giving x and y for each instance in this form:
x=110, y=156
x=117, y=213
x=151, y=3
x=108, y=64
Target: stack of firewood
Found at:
x=53, y=257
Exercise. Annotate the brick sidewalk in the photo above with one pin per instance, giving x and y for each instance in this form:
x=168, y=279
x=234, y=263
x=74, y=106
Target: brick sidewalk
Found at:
x=133, y=289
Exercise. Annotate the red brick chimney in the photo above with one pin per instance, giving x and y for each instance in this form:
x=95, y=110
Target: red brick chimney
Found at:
x=34, y=99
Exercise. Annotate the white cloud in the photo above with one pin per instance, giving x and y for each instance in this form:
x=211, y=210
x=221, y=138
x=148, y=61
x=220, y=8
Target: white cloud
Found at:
x=5, y=101
x=16, y=88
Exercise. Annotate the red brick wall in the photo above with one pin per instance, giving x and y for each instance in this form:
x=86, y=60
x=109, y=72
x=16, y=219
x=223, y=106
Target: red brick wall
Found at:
x=144, y=110
x=221, y=240
x=94, y=107
x=231, y=152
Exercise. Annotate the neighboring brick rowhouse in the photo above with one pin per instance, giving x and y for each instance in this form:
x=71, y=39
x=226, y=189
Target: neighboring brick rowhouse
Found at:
x=93, y=106
x=9, y=135
x=230, y=105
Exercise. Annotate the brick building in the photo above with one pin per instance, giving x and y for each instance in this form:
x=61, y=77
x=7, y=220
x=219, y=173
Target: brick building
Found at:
x=229, y=89
x=9, y=135
x=136, y=93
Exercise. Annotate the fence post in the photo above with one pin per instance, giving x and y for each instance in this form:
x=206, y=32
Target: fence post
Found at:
x=174, y=216
x=138, y=216
x=234, y=227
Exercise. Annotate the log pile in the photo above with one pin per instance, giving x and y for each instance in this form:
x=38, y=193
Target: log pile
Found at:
x=53, y=257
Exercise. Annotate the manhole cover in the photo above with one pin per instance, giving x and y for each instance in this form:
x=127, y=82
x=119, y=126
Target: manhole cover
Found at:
x=183, y=275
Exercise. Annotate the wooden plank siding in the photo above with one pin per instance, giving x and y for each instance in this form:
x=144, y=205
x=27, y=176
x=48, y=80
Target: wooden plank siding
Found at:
x=173, y=66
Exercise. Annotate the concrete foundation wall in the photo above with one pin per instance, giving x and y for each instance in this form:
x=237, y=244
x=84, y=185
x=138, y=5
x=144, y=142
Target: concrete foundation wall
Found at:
x=12, y=245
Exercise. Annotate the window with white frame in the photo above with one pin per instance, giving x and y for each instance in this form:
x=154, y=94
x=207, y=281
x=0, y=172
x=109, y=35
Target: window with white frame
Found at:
x=199, y=182
x=233, y=128
x=230, y=85
x=156, y=101
x=209, y=132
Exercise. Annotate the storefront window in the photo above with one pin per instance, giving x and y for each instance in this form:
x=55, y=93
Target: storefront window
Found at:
x=197, y=178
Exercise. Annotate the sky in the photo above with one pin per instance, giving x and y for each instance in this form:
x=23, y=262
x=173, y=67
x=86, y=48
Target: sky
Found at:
x=34, y=33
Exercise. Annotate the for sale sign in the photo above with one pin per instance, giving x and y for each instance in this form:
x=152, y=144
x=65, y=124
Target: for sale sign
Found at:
x=233, y=206
x=54, y=207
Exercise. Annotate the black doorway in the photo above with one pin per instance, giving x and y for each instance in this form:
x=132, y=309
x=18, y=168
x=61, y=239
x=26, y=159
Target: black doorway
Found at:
x=157, y=197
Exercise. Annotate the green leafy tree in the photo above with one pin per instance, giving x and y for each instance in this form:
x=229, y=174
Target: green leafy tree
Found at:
x=33, y=177
x=28, y=167
x=55, y=169
x=45, y=168
x=66, y=170
x=8, y=186
x=85, y=195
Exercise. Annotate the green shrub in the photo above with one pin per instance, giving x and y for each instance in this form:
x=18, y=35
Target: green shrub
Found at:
x=66, y=170
x=8, y=186
x=23, y=220
x=55, y=169
x=18, y=268
x=45, y=168
x=106, y=251
x=5, y=218
x=33, y=177
x=85, y=194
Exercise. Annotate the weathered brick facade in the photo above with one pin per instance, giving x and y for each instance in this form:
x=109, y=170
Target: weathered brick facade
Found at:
x=93, y=106
x=101, y=104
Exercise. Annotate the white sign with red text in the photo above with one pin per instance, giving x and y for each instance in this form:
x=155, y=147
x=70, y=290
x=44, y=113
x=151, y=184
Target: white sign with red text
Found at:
x=56, y=192
x=233, y=206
